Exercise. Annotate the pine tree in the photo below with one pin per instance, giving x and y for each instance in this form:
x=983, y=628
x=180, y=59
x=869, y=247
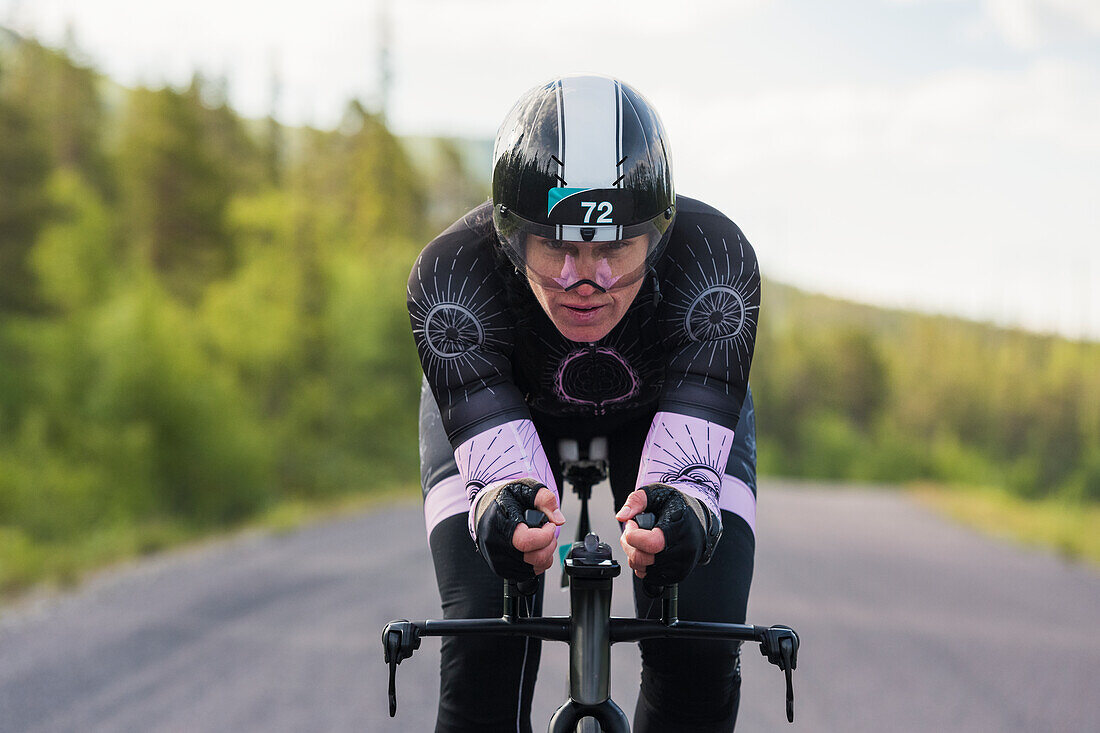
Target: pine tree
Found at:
x=175, y=190
x=24, y=206
x=61, y=99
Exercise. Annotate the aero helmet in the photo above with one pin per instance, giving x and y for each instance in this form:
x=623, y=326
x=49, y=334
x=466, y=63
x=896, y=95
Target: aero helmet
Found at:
x=582, y=184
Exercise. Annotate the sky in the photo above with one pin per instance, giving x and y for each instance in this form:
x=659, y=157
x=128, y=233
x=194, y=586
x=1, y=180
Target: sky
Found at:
x=942, y=155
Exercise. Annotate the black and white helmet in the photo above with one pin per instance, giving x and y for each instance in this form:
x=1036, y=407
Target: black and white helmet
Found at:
x=582, y=184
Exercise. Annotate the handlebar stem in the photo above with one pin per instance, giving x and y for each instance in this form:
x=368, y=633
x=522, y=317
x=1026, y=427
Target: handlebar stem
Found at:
x=590, y=642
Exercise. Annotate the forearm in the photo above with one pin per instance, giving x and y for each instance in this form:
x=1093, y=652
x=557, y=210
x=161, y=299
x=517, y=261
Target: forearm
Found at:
x=689, y=454
x=508, y=452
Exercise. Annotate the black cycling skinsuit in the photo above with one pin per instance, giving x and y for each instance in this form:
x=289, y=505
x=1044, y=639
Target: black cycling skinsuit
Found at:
x=668, y=386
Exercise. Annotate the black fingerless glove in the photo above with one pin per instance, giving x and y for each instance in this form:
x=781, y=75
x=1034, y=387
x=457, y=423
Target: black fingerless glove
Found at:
x=499, y=512
x=686, y=534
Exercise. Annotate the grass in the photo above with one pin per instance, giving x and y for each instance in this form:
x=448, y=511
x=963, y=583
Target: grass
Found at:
x=27, y=566
x=1072, y=529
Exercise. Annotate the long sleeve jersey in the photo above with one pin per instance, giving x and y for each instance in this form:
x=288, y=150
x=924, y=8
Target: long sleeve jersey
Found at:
x=498, y=367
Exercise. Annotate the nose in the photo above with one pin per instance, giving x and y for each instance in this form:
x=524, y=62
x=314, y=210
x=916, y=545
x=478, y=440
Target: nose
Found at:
x=587, y=266
x=584, y=290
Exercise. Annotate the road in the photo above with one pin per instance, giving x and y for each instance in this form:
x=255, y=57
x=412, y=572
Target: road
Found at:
x=908, y=622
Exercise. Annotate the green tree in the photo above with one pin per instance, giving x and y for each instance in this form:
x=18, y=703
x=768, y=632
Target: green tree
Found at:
x=175, y=191
x=61, y=99
x=362, y=176
x=225, y=137
x=24, y=206
x=862, y=382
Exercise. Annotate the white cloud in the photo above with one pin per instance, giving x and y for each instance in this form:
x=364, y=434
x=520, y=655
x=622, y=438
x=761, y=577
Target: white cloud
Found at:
x=1029, y=24
x=1032, y=24
x=1053, y=104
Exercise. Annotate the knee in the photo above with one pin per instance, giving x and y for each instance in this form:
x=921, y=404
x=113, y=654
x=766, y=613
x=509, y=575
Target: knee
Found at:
x=699, y=681
x=486, y=683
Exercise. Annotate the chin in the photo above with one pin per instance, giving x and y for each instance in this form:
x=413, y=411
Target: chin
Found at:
x=583, y=334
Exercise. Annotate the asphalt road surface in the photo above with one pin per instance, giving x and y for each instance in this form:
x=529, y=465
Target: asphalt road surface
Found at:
x=908, y=623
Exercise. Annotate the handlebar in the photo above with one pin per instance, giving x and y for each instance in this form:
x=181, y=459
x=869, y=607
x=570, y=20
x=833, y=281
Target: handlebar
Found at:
x=590, y=630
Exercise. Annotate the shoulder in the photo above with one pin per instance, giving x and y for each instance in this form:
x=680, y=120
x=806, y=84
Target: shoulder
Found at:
x=710, y=280
x=464, y=246
x=462, y=265
x=456, y=295
x=695, y=208
x=706, y=248
x=702, y=232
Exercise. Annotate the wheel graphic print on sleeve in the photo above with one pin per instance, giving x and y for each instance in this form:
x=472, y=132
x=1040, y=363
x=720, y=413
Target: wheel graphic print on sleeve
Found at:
x=458, y=320
x=716, y=314
x=715, y=305
x=451, y=330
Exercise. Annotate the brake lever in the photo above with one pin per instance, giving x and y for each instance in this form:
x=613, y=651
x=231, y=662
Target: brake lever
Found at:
x=786, y=650
x=399, y=640
x=780, y=645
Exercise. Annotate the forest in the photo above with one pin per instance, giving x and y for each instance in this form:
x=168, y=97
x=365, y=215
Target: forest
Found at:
x=202, y=317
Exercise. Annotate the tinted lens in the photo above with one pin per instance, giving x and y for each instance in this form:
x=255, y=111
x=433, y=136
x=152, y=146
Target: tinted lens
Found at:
x=569, y=264
x=566, y=256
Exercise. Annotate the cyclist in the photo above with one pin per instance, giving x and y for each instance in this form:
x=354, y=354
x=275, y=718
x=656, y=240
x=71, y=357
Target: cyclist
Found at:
x=587, y=298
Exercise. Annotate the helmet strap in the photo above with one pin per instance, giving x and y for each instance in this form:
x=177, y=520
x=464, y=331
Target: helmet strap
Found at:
x=656, y=286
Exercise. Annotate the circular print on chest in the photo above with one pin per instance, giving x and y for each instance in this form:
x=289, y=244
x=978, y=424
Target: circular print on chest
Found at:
x=599, y=376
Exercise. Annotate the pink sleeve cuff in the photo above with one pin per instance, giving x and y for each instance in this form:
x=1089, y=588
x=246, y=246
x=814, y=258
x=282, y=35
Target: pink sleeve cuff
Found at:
x=689, y=454
x=509, y=451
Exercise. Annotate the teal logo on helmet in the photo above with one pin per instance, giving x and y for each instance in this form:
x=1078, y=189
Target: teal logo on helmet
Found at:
x=589, y=206
x=555, y=196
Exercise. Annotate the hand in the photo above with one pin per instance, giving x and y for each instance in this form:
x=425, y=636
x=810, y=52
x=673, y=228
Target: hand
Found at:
x=640, y=545
x=667, y=553
x=538, y=544
x=512, y=549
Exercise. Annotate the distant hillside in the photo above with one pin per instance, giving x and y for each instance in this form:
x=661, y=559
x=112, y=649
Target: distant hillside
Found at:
x=846, y=390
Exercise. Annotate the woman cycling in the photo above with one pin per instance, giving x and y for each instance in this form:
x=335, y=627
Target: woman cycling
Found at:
x=588, y=299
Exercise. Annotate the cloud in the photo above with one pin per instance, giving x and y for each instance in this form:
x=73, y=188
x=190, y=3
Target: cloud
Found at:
x=1029, y=25
x=1032, y=24
x=1052, y=104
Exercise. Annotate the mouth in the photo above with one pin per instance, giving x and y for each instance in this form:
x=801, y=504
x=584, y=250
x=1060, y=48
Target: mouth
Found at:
x=582, y=315
x=582, y=308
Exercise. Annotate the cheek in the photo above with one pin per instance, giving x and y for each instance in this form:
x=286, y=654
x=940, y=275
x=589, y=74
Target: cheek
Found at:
x=541, y=295
x=619, y=309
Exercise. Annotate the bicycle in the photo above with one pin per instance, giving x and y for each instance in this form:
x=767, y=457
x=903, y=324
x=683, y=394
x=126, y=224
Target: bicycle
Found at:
x=589, y=569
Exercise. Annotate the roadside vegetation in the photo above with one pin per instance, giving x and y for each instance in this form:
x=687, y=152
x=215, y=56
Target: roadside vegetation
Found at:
x=202, y=325
x=201, y=317
x=1069, y=528
x=998, y=427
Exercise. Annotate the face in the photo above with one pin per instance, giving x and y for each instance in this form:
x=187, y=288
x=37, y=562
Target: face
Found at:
x=586, y=312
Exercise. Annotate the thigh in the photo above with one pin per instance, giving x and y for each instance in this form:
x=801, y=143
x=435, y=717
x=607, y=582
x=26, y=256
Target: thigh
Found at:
x=695, y=685
x=486, y=682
